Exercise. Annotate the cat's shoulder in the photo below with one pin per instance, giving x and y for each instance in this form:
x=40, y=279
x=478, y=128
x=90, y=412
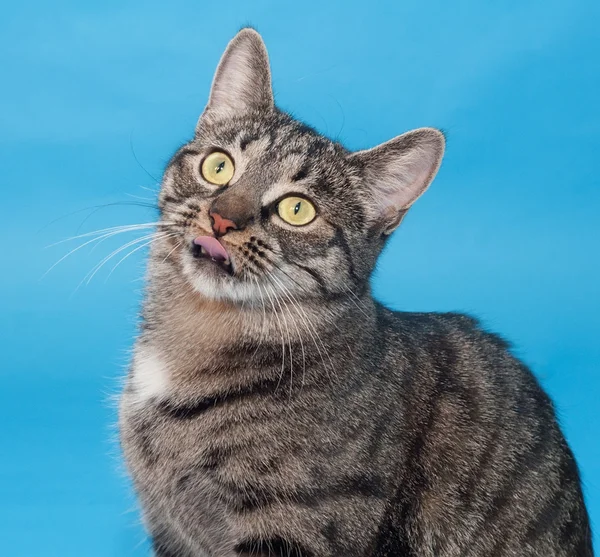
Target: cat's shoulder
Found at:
x=457, y=345
x=440, y=327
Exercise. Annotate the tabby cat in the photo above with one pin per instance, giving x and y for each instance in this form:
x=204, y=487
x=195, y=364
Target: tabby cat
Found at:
x=273, y=407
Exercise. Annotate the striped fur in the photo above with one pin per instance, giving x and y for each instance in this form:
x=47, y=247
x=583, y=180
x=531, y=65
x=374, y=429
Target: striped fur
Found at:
x=282, y=411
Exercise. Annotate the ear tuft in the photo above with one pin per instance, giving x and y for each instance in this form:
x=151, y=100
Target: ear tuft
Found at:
x=399, y=171
x=242, y=81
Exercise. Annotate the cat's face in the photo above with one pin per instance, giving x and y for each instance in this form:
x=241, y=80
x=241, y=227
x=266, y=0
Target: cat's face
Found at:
x=264, y=209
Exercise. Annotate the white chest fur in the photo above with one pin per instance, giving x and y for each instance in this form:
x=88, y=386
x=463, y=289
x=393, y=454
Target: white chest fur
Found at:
x=150, y=375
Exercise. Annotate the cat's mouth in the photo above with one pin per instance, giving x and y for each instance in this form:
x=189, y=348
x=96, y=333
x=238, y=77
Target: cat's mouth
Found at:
x=210, y=249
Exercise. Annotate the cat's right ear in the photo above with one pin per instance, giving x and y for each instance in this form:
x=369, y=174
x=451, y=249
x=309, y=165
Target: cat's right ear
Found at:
x=398, y=172
x=242, y=81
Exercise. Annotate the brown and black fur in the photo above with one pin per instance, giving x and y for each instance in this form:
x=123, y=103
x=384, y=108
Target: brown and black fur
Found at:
x=283, y=411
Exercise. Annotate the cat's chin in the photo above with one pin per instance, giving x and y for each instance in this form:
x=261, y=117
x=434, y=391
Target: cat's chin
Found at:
x=215, y=282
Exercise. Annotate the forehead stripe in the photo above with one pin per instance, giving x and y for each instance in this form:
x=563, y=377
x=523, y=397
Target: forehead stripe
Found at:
x=279, y=190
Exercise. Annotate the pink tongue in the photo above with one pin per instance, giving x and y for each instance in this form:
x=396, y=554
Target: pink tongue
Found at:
x=214, y=248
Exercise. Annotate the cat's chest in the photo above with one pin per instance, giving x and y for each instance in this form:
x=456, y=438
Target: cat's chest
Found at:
x=230, y=443
x=218, y=475
x=197, y=472
x=236, y=465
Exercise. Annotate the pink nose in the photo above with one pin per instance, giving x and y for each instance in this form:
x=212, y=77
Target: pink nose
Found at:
x=221, y=225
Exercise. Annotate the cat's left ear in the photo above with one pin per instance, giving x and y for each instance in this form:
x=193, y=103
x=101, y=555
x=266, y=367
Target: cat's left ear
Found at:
x=398, y=172
x=242, y=81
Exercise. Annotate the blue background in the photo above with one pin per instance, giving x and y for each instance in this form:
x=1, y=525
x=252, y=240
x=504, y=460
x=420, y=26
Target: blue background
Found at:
x=509, y=230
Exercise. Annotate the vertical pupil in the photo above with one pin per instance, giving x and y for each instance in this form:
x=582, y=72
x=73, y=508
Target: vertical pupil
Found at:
x=220, y=167
x=297, y=207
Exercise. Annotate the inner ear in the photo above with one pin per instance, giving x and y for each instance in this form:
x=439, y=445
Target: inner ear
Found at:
x=242, y=81
x=398, y=172
x=390, y=220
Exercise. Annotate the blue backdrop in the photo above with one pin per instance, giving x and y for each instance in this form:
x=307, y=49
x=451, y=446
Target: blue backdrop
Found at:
x=508, y=231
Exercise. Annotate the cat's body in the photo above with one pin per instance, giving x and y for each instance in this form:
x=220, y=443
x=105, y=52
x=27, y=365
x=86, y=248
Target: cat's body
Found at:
x=277, y=409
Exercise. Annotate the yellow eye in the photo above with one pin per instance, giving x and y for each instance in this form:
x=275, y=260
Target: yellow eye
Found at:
x=296, y=210
x=217, y=168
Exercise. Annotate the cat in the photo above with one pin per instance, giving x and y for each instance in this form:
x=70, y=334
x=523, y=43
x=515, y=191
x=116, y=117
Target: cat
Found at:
x=273, y=407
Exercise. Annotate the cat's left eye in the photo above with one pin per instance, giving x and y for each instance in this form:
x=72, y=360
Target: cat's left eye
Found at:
x=296, y=210
x=217, y=168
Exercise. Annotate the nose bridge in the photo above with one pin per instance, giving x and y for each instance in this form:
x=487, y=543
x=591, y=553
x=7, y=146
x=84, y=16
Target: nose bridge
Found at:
x=234, y=208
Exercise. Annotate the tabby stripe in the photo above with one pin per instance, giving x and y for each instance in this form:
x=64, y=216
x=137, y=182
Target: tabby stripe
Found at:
x=301, y=174
x=341, y=241
x=273, y=546
x=247, y=498
x=318, y=278
x=168, y=198
x=161, y=546
x=191, y=410
x=247, y=139
x=515, y=477
x=143, y=430
x=186, y=151
x=553, y=508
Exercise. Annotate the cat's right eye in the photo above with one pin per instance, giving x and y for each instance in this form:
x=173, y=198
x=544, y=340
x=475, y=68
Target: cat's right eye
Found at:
x=296, y=211
x=217, y=168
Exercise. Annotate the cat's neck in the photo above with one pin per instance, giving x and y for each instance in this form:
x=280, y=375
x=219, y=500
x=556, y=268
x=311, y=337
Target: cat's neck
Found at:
x=174, y=305
x=193, y=336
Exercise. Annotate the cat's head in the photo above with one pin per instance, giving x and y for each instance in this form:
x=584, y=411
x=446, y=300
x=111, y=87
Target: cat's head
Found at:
x=263, y=206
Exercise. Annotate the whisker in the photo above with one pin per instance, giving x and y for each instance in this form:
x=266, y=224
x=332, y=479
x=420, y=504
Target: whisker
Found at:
x=168, y=254
x=95, y=208
x=347, y=290
x=301, y=345
x=98, y=266
x=306, y=321
x=124, y=227
x=152, y=206
x=356, y=301
x=138, y=160
x=282, y=339
x=95, y=246
x=108, y=234
x=264, y=317
x=164, y=236
x=150, y=189
x=138, y=197
x=289, y=341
